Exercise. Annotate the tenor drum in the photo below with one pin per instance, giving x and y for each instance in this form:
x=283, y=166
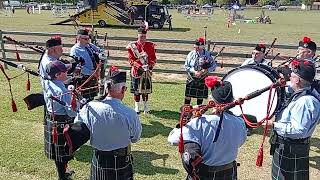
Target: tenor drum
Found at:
x=249, y=78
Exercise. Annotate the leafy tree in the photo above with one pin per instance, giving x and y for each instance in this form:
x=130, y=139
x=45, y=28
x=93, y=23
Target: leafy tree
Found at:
x=242, y=2
x=264, y=2
x=223, y=2
x=308, y=2
x=166, y=2
x=284, y=2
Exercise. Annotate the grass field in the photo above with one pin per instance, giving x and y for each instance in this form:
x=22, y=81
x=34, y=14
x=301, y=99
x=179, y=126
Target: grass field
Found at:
x=21, y=133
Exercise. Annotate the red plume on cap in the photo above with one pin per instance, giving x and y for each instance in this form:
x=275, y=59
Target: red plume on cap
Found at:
x=201, y=39
x=88, y=29
x=295, y=63
x=306, y=39
x=211, y=81
x=57, y=37
x=262, y=45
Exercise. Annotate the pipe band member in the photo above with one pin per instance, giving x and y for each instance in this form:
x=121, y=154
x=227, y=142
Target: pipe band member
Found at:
x=257, y=56
x=197, y=65
x=113, y=127
x=294, y=125
x=142, y=59
x=90, y=53
x=306, y=49
x=57, y=117
x=54, y=52
x=211, y=142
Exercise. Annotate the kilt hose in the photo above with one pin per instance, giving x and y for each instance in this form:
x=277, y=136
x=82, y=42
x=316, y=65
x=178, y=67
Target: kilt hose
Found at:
x=196, y=88
x=205, y=173
x=90, y=93
x=136, y=83
x=58, y=151
x=111, y=167
x=291, y=162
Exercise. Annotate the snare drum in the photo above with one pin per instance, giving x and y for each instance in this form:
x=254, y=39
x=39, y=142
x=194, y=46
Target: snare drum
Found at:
x=249, y=78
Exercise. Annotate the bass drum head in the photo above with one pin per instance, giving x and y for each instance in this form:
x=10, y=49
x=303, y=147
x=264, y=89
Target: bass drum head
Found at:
x=250, y=78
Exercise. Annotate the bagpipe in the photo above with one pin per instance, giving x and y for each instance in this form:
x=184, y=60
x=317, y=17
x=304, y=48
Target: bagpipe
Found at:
x=205, y=64
x=189, y=113
x=37, y=99
x=145, y=83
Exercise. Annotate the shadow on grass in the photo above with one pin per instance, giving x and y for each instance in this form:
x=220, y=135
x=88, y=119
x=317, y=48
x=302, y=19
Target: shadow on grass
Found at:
x=143, y=163
x=316, y=159
x=166, y=114
x=84, y=154
x=154, y=129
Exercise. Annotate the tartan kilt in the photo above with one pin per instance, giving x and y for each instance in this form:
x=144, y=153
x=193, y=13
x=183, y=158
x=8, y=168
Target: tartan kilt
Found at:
x=290, y=165
x=228, y=174
x=90, y=93
x=196, y=88
x=135, y=86
x=111, y=167
x=58, y=151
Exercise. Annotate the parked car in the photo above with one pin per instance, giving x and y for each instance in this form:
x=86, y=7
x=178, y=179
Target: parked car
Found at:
x=45, y=6
x=282, y=8
x=12, y=3
x=32, y=4
x=269, y=7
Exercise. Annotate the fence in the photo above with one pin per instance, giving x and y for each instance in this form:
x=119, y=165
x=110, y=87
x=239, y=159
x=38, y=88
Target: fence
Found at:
x=171, y=53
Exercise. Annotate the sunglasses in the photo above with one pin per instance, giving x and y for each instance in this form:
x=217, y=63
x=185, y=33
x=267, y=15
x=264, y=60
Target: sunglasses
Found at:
x=85, y=38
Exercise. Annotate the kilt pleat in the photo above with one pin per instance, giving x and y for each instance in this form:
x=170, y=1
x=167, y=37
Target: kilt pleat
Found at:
x=196, y=88
x=286, y=165
x=57, y=151
x=228, y=174
x=135, y=86
x=111, y=167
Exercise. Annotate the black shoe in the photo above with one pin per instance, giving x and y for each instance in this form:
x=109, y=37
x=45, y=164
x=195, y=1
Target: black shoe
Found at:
x=69, y=174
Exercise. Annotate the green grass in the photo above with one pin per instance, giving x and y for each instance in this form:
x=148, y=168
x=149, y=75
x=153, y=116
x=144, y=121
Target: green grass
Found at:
x=21, y=142
x=21, y=133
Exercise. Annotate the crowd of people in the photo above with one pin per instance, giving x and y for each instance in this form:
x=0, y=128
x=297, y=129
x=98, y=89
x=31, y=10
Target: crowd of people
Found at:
x=210, y=143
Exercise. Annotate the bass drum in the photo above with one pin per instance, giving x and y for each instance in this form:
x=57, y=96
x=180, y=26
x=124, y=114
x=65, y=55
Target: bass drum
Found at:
x=249, y=78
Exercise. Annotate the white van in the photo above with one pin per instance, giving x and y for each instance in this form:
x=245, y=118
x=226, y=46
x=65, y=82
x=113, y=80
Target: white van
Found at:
x=12, y=4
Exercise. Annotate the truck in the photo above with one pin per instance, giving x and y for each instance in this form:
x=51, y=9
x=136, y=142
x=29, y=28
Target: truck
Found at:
x=124, y=13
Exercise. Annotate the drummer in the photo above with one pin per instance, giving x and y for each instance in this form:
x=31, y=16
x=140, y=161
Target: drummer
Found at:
x=257, y=56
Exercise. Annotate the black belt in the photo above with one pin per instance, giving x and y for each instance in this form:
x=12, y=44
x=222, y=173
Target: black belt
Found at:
x=285, y=140
x=59, y=118
x=218, y=168
x=117, y=152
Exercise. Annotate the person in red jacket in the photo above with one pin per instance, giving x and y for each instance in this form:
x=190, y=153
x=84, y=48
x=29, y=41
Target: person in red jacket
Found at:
x=142, y=58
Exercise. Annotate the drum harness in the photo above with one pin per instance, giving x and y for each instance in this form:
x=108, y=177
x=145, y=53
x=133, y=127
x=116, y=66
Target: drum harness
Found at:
x=189, y=112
